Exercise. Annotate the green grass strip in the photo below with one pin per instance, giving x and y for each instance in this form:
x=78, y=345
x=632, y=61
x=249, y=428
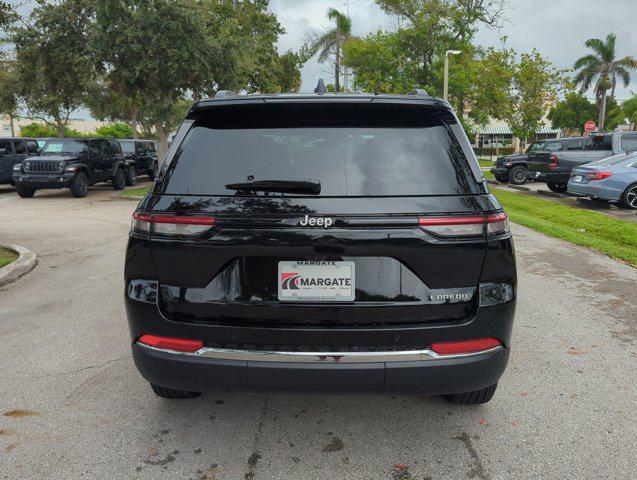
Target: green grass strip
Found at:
x=6, y=257
x=136, y=192
x=612, y=236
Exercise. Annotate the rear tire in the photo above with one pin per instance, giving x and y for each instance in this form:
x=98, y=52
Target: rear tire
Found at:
x=557, y=187
x=152, y=172
x=518, y=175
x=172, y=393
x=24, y=191
x=79, y=185
x=472, y=398
x=502, y=178
x=131, y=176
x=629, y=197
x=119, y=180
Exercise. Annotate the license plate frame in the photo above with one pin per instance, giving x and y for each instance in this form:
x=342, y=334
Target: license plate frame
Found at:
x=316, y=281
x=578, y=178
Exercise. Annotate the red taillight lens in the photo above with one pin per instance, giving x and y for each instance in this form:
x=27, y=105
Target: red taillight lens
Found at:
x=554, y=163
x=465, y=226
x=170, y=343
x=170, y=224
x=597, y=175
x=469, y=346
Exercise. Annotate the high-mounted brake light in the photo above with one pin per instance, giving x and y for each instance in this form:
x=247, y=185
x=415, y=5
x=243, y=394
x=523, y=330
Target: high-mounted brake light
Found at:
x=471, y=226
x=554, y=163
x=170, y=224
x=597, y=175
x=171, y=343
x=469, y=346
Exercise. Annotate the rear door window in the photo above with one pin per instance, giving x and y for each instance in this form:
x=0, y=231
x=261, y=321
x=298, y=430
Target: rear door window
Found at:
x=6, y=146
x=353, y=151
x=599, y=142
x=629, y=143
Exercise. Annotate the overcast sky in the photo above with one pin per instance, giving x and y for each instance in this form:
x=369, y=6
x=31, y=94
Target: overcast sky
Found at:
x=557, y=28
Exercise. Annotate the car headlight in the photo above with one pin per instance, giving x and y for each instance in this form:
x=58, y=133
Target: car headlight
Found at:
x=61, y=166
x=27, y=166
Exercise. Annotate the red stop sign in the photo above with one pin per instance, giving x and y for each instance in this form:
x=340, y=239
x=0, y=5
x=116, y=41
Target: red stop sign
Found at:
x=590, y=126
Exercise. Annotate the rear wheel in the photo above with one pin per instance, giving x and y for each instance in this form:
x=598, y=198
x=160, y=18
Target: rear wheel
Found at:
x=119, y=180
x=24, y=190
x=557, y=187
x=152, y=172
x=173, y=393
x=79, y=185
x=472, y=398
x=131, y=176
x=518, y=175
x=502, y=178
x=629, y=197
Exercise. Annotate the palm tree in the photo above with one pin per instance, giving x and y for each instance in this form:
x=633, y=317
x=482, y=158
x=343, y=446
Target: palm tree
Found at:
x=330, y=43
x=603, y=69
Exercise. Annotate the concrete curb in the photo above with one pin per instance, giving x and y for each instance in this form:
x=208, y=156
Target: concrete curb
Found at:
x=548, y=193
x=26, y=262
x=521, y=188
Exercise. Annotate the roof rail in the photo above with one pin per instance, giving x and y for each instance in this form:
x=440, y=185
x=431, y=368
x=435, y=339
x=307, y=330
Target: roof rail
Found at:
x=225, y=94
x=320, y=87
x=419, y=91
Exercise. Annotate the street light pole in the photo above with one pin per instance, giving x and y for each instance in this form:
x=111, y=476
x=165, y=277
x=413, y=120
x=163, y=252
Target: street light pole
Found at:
x=446, y=80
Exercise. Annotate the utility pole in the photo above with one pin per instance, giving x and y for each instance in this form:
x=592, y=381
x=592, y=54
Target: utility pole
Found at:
x=446, y=79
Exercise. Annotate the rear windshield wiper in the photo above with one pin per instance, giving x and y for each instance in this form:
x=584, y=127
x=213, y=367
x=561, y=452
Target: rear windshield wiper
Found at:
x=279, y=186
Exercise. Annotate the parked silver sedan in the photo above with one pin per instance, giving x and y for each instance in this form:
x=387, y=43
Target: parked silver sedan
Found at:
x=612, y=179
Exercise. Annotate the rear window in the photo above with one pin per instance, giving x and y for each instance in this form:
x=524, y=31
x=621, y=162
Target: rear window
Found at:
x=629, y=143
x=599, y=142
x=354, y=150
x=128, y=147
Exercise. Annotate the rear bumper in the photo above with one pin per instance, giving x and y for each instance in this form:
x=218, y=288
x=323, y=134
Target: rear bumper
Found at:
x=595, y=191
x=548, y=177
x=427, y=377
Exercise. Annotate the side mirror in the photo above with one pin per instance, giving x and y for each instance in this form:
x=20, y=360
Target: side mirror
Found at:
x=39, y=151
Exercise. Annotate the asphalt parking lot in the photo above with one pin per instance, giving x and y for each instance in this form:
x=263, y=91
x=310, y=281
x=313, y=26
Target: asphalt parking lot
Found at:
x=72, y=404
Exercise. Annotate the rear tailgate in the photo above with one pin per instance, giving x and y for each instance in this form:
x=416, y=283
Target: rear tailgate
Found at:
x=378, y=170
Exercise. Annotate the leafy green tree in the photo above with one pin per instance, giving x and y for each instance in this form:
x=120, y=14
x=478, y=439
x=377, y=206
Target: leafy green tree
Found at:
x=289, y=72
x=157, y=51
x=534, y=85
x=329, y=45
x=42, y=130
x=572, y=113
x=8, y=92
x=629, y=108
x=615, y=115
x=52, y=62
x=601, y=69
x=114, y=130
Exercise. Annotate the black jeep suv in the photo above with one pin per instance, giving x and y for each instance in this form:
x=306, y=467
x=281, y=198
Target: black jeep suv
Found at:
x=321, y=242
x=144, y=155
x=73, y=163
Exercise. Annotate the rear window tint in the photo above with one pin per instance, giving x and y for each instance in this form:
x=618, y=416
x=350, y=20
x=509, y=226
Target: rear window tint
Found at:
x=355, y=151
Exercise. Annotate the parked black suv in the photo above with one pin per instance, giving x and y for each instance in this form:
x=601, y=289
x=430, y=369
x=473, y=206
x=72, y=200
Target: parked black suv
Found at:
x=144, y=155
x=321, y=242
x=514, y=168
x=74, y=163
x=14, y=150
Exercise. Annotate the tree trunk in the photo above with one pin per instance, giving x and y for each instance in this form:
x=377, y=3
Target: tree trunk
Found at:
x=162, y=142
x=337, y=69
x=602, y=112
x=60, y=126
x=133, y=117
x=12, y=125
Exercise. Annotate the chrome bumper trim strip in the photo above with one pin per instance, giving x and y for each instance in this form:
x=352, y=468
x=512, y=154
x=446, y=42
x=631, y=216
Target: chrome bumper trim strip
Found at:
x=320, y=357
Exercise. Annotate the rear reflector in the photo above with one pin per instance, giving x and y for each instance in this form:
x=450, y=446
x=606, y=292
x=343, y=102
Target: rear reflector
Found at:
x=170, y=343
x=554, y=163
x=176, y=225
x=469, y=346
x=472, y=226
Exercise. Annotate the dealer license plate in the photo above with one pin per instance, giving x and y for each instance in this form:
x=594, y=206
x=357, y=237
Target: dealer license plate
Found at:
x=316, y=281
